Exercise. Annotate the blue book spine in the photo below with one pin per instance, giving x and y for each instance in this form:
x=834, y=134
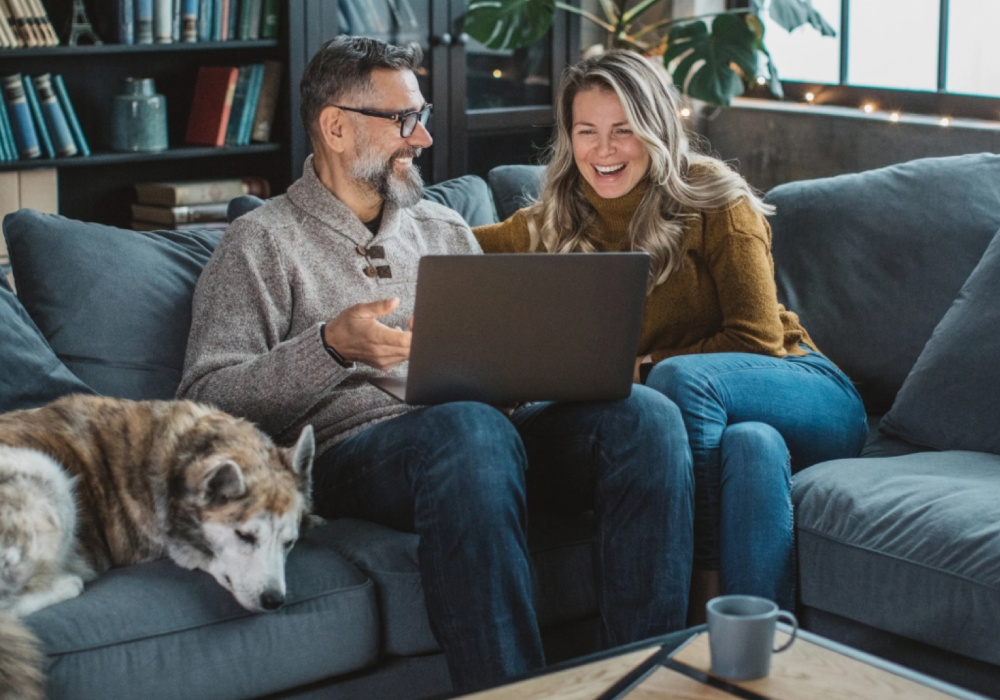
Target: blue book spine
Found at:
x=234, y=15
x=216, y=20
x=177, y=20
x=144, y=21
x=36, y=113
x=250, y=108
x=204, y=20
x=189, y=21
x=122, y=13
x=7, y=146
x=55, y=118
x=236, y=111
x=74, y=123
x=20, y=117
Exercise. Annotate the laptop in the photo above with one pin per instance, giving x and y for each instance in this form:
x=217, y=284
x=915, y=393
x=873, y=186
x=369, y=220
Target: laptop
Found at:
x=504, y=329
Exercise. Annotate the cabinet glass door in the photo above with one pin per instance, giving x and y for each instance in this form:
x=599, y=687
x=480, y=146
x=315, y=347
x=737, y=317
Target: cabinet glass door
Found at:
x=514, y=78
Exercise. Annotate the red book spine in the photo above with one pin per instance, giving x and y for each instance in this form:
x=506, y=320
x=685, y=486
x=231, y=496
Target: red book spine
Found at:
x=211, y=105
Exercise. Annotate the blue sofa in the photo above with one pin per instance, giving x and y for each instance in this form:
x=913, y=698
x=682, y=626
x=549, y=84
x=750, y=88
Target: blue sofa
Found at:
x=871, y=262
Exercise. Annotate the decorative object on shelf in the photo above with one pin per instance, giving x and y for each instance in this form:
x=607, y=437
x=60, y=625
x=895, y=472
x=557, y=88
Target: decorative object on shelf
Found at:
x=139, y=118
x=81, y=28
x=708, y=63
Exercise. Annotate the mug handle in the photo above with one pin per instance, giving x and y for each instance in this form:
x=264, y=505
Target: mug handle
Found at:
x=790, y=619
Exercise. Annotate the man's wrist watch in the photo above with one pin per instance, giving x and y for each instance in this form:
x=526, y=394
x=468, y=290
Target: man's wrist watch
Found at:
x=331, y=351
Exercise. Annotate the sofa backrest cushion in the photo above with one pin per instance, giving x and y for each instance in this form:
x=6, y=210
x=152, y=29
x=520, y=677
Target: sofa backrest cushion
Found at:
x=114, y=305
x=468, y=195
x=872, y=261
x=951, y=398
x=30, y=373
x=515, y=187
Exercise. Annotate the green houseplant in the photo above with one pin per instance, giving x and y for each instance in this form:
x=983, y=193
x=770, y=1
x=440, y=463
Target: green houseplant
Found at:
x=709, y=57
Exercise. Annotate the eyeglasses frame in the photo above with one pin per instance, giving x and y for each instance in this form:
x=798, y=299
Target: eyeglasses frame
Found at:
x=399, y=116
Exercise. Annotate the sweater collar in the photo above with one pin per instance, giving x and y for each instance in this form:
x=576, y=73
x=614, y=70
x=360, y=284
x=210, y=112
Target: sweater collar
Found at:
x=615, y=214
x=310, y=194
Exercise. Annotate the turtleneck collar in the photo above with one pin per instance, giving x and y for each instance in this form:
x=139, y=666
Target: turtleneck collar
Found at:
x=615, y=214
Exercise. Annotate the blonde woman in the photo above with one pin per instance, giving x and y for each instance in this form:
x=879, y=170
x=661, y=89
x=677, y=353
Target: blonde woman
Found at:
x=759, y=401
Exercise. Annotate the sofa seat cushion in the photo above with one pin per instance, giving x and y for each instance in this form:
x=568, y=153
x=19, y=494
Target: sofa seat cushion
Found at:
x=156, y=631
x=562, y=573
x=908, y=544
x=115, y=305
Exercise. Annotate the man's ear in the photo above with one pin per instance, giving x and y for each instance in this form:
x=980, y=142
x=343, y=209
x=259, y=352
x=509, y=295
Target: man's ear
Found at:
x=222, y=483
x=332, y=125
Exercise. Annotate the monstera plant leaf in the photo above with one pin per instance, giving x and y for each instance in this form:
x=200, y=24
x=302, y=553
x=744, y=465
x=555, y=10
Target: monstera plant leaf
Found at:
x=774, y=82
x=704, y=61
x=792, y=14
x=509, y=24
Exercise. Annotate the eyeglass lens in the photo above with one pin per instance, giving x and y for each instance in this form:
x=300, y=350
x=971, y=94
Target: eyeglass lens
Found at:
x=410, y=121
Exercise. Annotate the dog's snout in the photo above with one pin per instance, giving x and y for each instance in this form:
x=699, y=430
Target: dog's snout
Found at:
x=271, y=600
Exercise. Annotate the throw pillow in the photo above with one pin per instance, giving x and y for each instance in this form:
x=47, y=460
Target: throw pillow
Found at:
x=468, y=195
x=515, y=187
x=951, y=398
x=30, y=375
x=114, y=305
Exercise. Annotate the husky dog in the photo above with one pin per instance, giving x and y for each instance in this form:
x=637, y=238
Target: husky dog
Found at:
x=153, y=479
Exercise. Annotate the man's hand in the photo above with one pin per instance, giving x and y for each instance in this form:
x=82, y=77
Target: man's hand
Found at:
x=358, y=336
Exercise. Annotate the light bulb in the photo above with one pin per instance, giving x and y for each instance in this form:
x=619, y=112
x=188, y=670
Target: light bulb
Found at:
x=945, y=121
x=761, y=80
x=869, y=108
x=810, y=97
x=894, y=117
x=497, y=73
x=685, y=112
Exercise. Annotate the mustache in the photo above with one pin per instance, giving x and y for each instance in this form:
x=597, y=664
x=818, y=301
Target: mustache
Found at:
x=405, y=153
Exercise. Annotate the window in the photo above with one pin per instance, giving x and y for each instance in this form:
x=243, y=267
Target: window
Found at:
x=893, y=44
x=805, y=54
x=973, y=50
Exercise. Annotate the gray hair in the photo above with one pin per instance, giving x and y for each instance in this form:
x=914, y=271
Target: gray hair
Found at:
x=683, y=183
x=343, y=66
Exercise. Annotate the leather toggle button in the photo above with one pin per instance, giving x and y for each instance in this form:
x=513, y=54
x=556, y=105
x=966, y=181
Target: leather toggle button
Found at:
x=384, y=271
x=371, y=271
x=376, y=252
x=361, y=250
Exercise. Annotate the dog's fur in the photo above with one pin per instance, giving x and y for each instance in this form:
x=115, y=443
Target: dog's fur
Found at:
x=153, y=479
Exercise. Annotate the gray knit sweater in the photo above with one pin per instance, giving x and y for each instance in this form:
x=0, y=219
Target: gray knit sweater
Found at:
x=279, y=273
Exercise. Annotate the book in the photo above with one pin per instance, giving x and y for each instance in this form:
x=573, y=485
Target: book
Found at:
x=48, y=32
x=267, y=102
x=8, y=39
x=24, y=28
x=175, y=20
x=204, y=20
x=217, y=20
x=10, y=201
x=55, y=118
x=239, y=103
x=195, y=213
x=185, y=193
x=74, y=123
x=146, y=226
x=144, y=21
x=6, y=133
x=211, y=105
x=36, y=113
x=40, y=190
x=114, y=21
x=269, y=19
x=256, y=7
x=189, y=21
x=250, y=107
x=224, y=20
x=163, y=21
x=25, y=136
x=234, y=20
x=246, y=9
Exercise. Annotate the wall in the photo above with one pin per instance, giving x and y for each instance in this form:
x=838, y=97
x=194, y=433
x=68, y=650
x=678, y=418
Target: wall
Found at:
x=774, y=142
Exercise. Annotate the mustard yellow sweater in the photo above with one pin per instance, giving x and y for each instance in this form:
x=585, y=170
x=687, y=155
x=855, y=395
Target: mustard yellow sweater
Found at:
x=721, y=299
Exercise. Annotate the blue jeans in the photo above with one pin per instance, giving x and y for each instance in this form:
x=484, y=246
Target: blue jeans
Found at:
x=460, y=476
x=753, y=421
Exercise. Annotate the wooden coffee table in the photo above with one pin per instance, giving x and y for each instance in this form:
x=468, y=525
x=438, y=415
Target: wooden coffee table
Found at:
x=813, y=667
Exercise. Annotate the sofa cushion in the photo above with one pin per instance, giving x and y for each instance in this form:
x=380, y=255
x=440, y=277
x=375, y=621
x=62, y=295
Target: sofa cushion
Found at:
x=562, y=575
x=872, y=261
x=30, y=374
x=515, y=187
x=468, y=195
x=909, y=545
x=951, y=399
x=115, y=305
x=156, y=631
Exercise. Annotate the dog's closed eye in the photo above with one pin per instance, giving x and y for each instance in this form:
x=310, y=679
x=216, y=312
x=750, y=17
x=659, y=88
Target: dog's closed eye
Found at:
x=247, y=537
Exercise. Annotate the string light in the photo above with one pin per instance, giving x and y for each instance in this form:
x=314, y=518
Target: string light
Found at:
x=810, y=97
x=894, y=117
x=685, y=112
x=945, y=121
x=761, y=80
x=497, y=73
x=869, y=108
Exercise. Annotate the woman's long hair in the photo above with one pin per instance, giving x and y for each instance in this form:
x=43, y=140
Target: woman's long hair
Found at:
x=682, y=182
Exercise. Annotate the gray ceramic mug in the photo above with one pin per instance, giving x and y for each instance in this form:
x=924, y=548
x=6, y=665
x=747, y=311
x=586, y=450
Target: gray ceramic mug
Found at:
x=741, y=635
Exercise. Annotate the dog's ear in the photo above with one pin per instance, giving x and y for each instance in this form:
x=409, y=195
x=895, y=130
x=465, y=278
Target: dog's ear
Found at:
x=302, y=455
x=223, y=482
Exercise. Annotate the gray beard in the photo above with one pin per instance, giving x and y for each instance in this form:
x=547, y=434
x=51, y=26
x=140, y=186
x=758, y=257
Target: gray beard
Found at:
x=379, y=176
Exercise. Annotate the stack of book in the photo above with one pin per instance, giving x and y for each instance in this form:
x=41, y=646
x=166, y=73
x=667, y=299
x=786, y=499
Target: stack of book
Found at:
x=37, y=118
x=169, y=21
x=25, y=23
x=191, y=204
x=233, y=106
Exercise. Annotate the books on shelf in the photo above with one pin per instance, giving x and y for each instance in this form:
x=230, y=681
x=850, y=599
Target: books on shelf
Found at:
x=25, y=23
x=33, y=189
x=234, y=105
x=192, y=192
x=37, y=118
x=147, y=226
x=185, y=214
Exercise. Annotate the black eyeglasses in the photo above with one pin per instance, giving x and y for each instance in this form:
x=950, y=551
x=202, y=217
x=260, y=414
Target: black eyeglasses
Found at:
x=407, y=120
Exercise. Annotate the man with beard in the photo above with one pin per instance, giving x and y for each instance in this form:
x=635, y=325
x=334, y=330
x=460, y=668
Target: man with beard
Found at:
x=310, y=295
